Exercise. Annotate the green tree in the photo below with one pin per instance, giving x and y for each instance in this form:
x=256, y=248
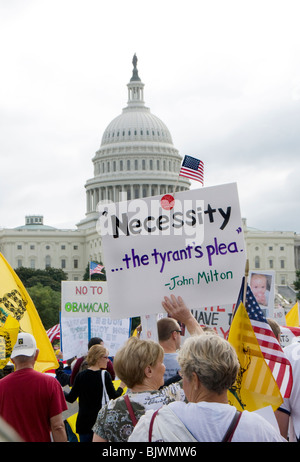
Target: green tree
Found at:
x=51, y=277
x=44, y=287
x=47, y=303
x=297, y=284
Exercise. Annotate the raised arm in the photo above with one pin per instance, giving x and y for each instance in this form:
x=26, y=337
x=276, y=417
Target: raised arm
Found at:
x=176, y=308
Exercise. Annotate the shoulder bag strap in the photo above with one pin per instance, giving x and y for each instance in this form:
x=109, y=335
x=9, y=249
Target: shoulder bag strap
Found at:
x=105, y=397
x=130, y=410
x=151, y=425
x=231, y=429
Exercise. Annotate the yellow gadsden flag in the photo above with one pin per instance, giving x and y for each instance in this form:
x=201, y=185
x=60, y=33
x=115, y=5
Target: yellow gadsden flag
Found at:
x=255, y=386
x=8, y=337
x=292, y=317
x=16, y=302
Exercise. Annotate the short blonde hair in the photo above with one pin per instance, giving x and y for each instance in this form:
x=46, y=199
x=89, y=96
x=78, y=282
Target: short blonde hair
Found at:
x=95, y=352
x=133, y=357
x=213, y=360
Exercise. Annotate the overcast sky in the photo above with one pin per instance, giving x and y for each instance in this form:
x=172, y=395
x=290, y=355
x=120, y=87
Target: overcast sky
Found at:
x=223, y=75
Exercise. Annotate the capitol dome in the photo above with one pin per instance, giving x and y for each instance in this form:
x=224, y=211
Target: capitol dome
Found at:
x=136, y=155
x=136, y=124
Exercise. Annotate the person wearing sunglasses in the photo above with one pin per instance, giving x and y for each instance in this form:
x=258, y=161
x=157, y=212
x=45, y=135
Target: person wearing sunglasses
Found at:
x=169, y=337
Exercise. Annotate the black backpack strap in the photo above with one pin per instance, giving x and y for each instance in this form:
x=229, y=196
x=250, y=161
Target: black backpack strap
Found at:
x=231, y=429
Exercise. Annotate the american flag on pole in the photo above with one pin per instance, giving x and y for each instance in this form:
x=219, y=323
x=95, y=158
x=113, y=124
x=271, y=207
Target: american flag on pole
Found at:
x=95, y=268
x=269, y=345
x=192, y=168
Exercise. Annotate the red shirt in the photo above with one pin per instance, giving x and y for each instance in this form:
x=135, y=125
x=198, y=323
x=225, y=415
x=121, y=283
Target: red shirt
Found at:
x=28, y=399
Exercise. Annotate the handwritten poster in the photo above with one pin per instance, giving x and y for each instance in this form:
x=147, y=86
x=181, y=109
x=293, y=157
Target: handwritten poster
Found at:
x=195, y=249
x=85, y=313
x=76, y=332
x=84, y=299
x=74, y=336
x=216, y=318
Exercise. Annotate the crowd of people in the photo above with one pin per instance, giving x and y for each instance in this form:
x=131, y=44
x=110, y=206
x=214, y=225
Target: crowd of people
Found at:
x=169, y=392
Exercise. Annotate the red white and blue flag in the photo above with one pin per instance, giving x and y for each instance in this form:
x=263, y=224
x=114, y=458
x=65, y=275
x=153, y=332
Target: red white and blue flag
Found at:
x=54, y=333
x=269, y=345
x=192, y=168
x=95, y=268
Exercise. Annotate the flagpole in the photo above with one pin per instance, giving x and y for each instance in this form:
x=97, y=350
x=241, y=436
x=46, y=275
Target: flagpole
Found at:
x=191, y=168
x=176, y=185
x=246, y=281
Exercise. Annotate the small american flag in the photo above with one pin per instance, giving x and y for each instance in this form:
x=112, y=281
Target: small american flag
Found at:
x=54, y=333
x=269, y=345
x=95, y=268
x=192, y=168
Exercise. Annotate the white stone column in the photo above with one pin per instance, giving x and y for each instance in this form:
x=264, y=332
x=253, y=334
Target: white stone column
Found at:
x=87, y=201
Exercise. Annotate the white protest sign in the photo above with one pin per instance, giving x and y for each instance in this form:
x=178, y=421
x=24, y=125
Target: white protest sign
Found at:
x=76, y=333
x=84, y=299
x=114, y=332
x=217, y=318
x=149, y=326
x=195, y=249
x=279, y=315
x=289, y=335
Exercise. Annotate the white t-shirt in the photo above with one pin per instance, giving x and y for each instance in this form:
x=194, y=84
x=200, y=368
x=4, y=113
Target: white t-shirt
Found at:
x=291, y=405
x=205, y=422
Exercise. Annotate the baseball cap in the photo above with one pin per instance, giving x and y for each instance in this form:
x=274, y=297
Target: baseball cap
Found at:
x=25, y=345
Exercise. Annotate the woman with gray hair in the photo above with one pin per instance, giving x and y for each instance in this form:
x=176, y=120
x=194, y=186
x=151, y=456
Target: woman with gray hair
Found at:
x=139, y=364
x=209, y=367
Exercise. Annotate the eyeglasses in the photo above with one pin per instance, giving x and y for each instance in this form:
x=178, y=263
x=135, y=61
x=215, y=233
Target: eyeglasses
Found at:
x=176, y=331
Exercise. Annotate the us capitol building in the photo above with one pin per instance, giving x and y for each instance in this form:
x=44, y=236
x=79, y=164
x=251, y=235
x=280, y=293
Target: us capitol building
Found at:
x=136, y=157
